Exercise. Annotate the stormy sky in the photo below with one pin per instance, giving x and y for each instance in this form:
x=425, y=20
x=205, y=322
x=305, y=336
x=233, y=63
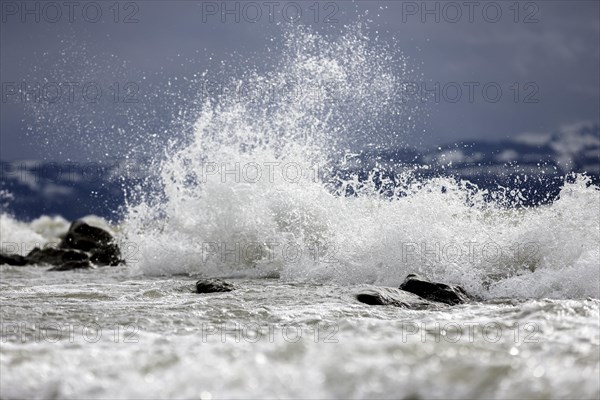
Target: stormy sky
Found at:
x=101, y=77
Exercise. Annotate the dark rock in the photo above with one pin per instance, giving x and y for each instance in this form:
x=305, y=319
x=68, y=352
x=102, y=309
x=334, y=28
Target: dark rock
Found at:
x=213, y=286
x=55, y=256
x=82, y=245
x=383, y=296
x=96, y=241
x=107, y=255
x=70, y=265
x=82, y=236
x=12, y=259
x=433, y=291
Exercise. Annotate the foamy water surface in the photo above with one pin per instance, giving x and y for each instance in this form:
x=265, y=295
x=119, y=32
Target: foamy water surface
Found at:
x=280, y=226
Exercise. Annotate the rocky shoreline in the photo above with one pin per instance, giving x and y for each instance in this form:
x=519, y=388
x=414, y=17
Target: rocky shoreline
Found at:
x=415, y=292
x=85, y=246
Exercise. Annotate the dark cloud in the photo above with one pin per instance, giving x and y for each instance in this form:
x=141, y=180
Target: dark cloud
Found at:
x=554, y=59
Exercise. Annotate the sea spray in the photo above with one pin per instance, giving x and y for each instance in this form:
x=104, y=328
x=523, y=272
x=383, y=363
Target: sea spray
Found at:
x=253, y=191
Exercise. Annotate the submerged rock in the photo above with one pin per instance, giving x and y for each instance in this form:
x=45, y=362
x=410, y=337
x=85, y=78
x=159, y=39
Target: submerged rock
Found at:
x=96, y=241
x=55, y=256
x=434, y=291
x=384, y=296
x=213, y=286
x=12, y=259
x=70, y=265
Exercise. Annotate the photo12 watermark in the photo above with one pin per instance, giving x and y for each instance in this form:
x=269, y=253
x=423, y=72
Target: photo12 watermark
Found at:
x=129, y=250
x=468, y=92
x=227, y=254
x=64, y=332
x=453, y=12
x=255, y=332
x=325, y=12
x=54, y=12
x=488, y=252
x=255, y=172
x=69, y=92
x=469, y=331
x=265, y=92
x=70, y=173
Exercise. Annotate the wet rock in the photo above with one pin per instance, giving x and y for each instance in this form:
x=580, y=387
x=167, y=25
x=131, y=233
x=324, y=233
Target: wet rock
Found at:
x=55, y=256
x=434, y=291
x=109, y=254
x=96, y=241
x=71, y=265
x=213, y=286
x=383, y=296
x=12, y=259
x=82, y=247
x=85, y=237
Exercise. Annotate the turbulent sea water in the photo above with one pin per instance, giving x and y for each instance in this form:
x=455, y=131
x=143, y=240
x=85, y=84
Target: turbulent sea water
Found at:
x=249, y=194
x=282, y=339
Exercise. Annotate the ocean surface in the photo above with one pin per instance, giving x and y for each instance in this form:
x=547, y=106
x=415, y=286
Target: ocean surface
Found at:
x=108, y=334
x=248, y=194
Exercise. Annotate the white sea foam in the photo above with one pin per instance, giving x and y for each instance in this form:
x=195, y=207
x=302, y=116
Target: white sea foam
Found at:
x=213, y=222
x=123, y=333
